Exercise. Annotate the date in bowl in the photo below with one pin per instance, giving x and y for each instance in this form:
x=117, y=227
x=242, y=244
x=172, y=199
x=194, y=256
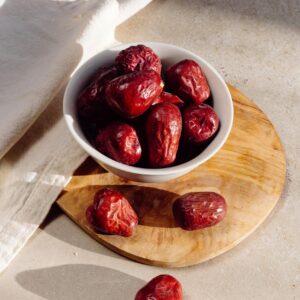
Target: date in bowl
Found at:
x=169, y=55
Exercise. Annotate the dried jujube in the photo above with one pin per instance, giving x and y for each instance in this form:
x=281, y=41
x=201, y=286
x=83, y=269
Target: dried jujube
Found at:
x=120, y=142
x=112, y=213
x=168, y=97
x=200, y=122
x=163, y=130
x=186, y=80
x=130, y=95
x=138, y=58
x=161, y=287
x=199, y=210
x=91, y=100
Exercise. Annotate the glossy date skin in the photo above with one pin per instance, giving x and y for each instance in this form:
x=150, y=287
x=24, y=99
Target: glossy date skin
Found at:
x=91, y=100
x=186, y=80
x=163, y=130
x=112, y=213
x=194, y=211
x=162, y=287
x=132, y=94
x=200, y=123
x=168, y=97
x=138, y=58
x=120, y=142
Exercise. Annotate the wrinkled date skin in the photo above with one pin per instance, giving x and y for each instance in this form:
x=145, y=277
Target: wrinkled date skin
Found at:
x=162, y=287
x=186, y=80
x=120, y=142
x=163, y=130
x=138, y=58
x=112, y=213
x=200, y=123
x=168, y=97
x=91, y=99
x=194, y=211
x=132, y=94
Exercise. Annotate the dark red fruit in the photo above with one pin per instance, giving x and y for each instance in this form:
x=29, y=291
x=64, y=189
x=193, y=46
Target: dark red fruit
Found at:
x=162, y=287
x=120, y=142
x=138, y=58
x=199, y=210
x=168, y=97
x=132, y=94
x=186, y=80
x=111, y=213
x=200, y=122
x=163, y=130
x=91, y=99
x=91, y=216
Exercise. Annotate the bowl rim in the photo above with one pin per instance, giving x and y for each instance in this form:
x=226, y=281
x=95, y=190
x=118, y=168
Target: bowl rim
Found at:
x=69, y=119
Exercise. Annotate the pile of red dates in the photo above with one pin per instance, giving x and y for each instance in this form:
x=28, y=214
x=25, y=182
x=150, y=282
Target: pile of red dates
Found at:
x=133, y=116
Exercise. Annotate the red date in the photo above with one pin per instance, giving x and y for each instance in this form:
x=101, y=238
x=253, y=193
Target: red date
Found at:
x=186, y=80
x=132, y=94
x=138, y=58
x=199, y=210
x=200, y=123
x=112, y=213
x=162, y=287
x=91, y=99
x=168, y=97
x=163, y=129
x=120, y=142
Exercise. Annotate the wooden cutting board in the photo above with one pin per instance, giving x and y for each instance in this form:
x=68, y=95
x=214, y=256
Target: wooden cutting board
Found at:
x=249, y=171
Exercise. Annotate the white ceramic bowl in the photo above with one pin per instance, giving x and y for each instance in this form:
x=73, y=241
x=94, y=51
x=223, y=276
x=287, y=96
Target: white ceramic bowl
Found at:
x=169, y=55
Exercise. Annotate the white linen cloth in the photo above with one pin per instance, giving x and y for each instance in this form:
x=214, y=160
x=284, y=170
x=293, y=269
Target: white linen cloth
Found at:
x=41, y=43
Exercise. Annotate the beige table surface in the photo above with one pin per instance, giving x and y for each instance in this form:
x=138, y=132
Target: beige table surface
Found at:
x=256, y=47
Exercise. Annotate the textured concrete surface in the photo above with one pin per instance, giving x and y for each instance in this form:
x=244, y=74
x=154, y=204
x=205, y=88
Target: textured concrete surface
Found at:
x=255, y=45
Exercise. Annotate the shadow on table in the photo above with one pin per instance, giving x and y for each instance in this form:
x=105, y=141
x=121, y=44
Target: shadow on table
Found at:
x=153, y=207
x=65, y=230
x=79, y=281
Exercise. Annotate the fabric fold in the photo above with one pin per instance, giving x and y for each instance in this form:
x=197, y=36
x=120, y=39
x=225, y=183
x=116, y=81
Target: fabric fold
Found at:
x=43, y=44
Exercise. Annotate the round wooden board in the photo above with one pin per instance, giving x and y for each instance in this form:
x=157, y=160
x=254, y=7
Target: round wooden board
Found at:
x=249, y=171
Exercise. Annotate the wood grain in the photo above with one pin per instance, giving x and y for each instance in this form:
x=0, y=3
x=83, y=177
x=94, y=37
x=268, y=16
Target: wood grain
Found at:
x=249, y=171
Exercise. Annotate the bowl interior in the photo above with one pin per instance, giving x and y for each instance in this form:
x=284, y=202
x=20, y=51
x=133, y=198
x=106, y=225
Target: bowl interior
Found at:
x=169, y=55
